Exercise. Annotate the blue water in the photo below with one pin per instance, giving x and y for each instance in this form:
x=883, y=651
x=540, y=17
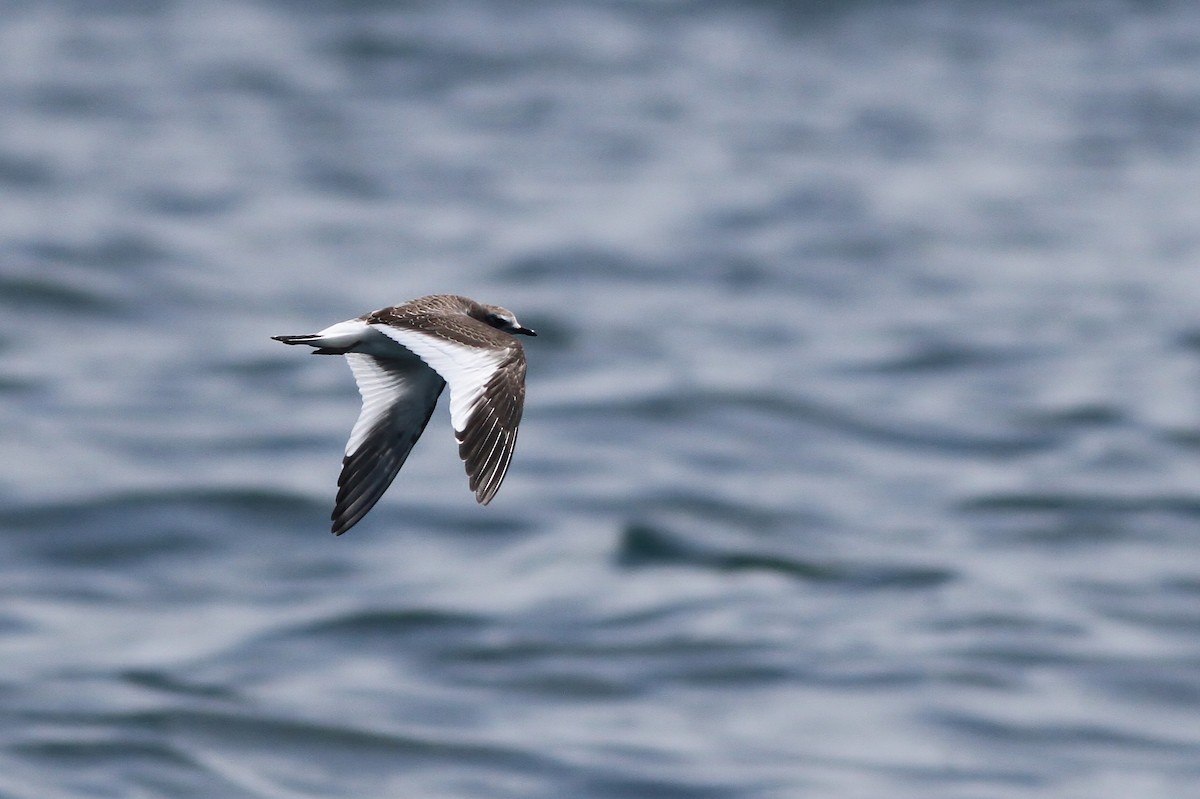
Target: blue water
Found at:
x=861, y=455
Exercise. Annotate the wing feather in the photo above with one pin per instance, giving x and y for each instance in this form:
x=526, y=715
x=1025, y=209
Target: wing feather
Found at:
x=399, y=396
x=487, y=398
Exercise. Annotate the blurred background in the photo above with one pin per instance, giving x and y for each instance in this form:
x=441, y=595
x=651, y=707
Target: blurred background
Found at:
x=861, y=455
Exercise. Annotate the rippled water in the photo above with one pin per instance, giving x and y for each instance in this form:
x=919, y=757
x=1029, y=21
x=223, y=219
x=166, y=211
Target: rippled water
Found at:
x=862, y=448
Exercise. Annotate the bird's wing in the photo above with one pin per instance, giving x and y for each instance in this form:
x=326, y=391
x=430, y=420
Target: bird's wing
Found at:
x=487, y=396
x=398, y=398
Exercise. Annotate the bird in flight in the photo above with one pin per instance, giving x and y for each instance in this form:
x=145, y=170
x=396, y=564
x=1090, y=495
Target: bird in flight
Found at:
x=402, y=357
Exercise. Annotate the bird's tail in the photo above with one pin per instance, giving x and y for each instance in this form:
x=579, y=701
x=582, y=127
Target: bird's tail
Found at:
x=313, y=340
x=334, y=340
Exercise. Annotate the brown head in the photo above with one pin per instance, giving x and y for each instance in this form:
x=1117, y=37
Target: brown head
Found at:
x=500, y=318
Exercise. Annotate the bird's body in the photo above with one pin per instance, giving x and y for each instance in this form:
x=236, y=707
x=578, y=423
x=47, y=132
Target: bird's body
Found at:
x=402, y=357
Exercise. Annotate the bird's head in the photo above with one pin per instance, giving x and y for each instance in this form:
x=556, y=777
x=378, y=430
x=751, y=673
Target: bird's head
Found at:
x=504, y=319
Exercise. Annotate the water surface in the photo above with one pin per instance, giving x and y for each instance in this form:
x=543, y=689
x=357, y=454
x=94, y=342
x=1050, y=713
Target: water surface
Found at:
x=862, y=441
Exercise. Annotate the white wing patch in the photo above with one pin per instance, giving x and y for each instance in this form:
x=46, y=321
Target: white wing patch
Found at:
x=467, y=369
x=384, y=390
x=399, y=396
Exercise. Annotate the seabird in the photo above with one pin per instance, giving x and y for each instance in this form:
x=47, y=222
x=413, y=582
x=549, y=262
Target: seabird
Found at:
x=402, y=357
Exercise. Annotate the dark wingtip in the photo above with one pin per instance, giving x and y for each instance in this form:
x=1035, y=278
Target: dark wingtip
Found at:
x=340, y=523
